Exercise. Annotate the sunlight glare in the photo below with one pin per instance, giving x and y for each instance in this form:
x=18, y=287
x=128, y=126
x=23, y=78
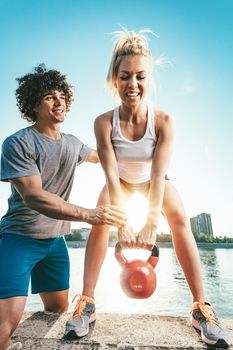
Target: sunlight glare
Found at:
x=136, y=208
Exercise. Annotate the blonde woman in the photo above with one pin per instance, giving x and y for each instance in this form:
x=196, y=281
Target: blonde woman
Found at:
x=134, y=144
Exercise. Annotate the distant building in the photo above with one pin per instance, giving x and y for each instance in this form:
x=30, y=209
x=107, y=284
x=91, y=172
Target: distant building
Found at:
x=195, y=226
x=201, y=225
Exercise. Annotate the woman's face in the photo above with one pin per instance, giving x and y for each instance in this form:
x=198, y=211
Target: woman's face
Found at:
x=133, y=79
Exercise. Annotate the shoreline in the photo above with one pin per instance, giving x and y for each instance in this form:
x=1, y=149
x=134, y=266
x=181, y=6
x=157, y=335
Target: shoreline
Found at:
x=202, y=245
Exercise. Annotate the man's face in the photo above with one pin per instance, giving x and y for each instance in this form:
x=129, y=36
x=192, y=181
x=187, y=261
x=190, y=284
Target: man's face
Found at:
x=52, y=107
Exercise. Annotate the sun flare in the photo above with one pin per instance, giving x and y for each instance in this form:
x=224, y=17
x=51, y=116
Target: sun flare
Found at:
x=136, y=208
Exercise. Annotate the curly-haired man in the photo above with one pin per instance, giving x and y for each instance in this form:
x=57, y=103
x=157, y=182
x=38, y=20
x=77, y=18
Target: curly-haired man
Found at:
x=39, y=162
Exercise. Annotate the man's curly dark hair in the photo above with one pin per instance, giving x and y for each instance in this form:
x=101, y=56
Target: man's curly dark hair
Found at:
x=34, y=86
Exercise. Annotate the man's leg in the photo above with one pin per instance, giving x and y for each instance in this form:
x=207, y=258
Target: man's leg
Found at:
x=50, y=278
x=55, y=301
x=16, y=261
x=11, y=311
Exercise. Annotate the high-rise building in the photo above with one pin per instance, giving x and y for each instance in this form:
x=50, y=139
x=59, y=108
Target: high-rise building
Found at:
x=201, y=225
x=195, y=226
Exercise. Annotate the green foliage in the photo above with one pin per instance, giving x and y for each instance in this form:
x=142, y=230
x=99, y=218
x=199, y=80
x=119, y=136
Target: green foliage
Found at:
x=211, y=239
x=74, y=236
x=113, y=236
x=164, y=237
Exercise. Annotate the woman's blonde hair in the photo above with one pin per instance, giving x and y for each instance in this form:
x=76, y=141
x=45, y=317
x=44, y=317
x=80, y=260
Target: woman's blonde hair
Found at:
x=127, y=43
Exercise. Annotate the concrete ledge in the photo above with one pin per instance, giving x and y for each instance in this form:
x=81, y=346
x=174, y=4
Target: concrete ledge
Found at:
x=41, y=330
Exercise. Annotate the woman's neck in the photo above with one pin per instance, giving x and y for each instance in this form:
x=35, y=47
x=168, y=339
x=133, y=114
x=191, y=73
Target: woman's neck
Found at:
x=135, y=114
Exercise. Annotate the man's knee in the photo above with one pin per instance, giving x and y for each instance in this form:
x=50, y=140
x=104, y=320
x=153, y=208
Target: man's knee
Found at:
x=56, y=307
x=55, y=301
x=11, y=310
x=7, y=329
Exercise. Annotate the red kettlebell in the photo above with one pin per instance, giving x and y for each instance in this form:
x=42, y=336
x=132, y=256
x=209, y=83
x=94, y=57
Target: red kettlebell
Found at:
x=137, y=278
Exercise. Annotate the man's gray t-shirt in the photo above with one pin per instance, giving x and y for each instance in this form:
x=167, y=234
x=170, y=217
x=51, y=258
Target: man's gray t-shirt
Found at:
x=28, y=153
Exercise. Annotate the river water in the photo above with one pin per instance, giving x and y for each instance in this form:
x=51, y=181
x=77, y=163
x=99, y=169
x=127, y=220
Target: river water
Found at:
x=171, y=297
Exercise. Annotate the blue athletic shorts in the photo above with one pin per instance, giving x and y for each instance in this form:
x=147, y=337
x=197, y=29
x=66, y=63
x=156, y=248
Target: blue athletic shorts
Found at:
x=46, y=261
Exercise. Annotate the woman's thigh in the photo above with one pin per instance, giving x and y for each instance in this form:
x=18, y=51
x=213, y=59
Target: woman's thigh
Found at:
x=104, y=198
x=173, y=207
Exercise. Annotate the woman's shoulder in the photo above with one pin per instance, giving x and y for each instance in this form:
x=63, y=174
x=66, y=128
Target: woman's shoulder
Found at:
x=162, y=116
x=163, y=120
x=104, y=117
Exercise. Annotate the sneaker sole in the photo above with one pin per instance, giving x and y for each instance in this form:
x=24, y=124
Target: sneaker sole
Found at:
x=74, y=334
x=220, y=343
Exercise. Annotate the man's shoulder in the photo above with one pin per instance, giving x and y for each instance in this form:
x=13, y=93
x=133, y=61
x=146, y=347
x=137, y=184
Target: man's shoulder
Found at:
x=72, y=140
x=19, y=135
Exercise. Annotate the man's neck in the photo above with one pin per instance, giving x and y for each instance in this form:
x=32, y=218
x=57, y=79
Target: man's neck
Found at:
x=51, y=132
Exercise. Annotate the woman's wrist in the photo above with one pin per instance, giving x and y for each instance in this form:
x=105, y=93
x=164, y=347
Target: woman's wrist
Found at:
x=153, y=217
x=152, y=222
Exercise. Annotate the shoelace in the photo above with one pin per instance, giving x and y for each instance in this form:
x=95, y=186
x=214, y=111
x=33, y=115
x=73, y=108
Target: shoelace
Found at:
x=80, y=305
x=206, y=310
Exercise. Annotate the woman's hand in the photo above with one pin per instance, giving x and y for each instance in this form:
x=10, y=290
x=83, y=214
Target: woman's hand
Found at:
x=147, y=236
x=127, y=237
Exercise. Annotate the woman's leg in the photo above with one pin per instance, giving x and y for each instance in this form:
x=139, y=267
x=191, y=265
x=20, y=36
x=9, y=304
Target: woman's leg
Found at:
x=184, y=242
x=203, y=317
x=97, y=246
x=95, y=251
x=84, y=311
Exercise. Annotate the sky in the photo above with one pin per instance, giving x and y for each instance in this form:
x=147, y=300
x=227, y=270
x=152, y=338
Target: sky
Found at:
x=195, y=86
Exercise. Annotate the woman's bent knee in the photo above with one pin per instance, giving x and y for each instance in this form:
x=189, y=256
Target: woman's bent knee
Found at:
x=178, y=219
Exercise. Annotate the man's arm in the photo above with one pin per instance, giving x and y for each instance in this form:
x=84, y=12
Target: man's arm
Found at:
x=51, y=205
x=92, y=157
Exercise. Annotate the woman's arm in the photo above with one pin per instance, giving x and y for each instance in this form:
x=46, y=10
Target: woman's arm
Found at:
x=165, y=128
x=165, y=132
x=103, y=130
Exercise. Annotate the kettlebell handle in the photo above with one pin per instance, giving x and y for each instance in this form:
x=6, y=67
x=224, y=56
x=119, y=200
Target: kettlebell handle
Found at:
x=153, y=259
x=155, y=251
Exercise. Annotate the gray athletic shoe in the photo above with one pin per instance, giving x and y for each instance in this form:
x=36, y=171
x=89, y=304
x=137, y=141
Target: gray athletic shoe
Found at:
x=83, y=315
x=203, y=318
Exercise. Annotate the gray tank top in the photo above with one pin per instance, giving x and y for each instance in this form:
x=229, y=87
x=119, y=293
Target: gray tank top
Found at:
x=134, y=158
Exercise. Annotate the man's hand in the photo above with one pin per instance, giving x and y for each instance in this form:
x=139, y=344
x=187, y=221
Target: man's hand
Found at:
x=106, y=215
x=127, y=237
x=147, y=236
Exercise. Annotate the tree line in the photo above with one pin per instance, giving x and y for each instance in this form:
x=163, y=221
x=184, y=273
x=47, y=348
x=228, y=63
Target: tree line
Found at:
x=76, y=235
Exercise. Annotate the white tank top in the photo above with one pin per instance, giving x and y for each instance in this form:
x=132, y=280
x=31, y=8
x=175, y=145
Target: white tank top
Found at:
x=134, y=158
